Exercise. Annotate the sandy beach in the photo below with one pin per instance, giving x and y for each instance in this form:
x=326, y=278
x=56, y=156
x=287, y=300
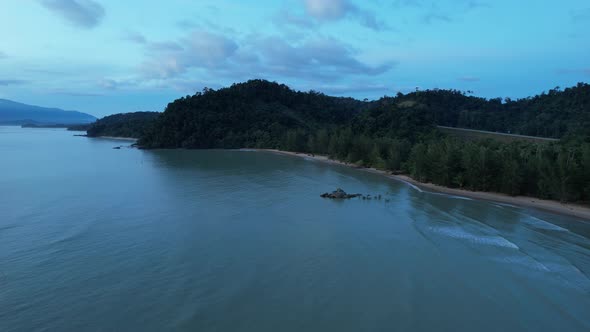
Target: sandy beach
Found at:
x=130, y=139
x=574, y=210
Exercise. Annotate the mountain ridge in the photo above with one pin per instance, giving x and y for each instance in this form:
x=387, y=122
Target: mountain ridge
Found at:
x=17, y=113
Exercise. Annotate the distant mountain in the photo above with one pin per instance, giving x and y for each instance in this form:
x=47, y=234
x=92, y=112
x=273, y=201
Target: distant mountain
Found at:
x=13, y=113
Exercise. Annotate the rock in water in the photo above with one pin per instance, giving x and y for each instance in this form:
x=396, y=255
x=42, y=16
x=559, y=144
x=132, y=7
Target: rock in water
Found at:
x=339, y=194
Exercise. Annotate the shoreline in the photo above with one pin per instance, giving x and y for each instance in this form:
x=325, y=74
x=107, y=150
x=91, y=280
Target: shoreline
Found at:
x=573, y=210
x=116, y=138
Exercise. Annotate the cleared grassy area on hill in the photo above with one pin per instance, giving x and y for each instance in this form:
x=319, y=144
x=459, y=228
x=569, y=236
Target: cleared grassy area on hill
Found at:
x=472, y=134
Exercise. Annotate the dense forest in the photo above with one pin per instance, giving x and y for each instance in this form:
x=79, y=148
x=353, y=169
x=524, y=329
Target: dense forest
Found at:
x=551, y=114
x=253, y=114
x=395, y=133
x=123, y=125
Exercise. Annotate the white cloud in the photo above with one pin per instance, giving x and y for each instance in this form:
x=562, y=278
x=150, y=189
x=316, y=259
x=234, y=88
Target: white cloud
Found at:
x=328, y=9
x=334, y=10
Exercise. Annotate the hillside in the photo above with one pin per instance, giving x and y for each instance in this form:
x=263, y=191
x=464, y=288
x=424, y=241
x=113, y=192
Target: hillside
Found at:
x=253, y=114
x=132, y=125
x=262, y=114
x=13, y=113
x=551, y=114
x=474, y=134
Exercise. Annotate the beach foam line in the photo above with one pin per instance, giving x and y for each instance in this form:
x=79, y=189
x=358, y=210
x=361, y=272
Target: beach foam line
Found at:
x=461, y=234
x=542, y=224
x=452, y=196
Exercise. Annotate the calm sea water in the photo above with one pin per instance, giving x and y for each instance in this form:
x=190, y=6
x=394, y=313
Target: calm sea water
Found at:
x=97, y=239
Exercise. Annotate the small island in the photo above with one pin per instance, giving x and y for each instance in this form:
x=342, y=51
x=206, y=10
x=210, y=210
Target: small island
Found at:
x=339, y=194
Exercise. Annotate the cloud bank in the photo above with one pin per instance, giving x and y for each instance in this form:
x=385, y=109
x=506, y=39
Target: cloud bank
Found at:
x=217, y=55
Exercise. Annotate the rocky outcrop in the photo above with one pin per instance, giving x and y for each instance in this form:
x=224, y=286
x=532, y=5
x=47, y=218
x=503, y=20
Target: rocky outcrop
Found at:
x=339, y=194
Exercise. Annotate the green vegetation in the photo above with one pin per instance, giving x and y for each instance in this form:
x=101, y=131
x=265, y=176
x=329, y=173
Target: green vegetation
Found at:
x=133, y=125
x=473, y=134
x=253, y=114
x=553, y=114
x=80, y=127
x=399, y=134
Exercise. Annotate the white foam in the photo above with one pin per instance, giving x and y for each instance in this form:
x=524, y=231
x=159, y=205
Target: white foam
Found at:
x=524, y=261
x=542, y=224
x=489, y=240
x=411, y=185
x=453, y=196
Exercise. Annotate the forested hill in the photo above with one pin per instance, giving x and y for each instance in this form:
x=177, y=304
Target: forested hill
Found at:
x=133, y=125
x=553, y=114
x=259, y=113
x=256, y=113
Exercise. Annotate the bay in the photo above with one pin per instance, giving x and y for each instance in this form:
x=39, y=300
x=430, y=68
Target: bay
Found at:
x=98, y=239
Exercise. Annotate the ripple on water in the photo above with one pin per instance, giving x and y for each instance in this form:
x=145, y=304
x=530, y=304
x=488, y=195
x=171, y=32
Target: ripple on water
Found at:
x=542, y=224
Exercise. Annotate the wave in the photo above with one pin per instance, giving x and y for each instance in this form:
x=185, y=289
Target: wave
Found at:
x=461, y=234
x=542, y=224
x=415, y=187
x=452, y=196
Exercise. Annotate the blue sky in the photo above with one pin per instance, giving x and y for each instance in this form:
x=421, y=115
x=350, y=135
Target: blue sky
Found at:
x=110, y=56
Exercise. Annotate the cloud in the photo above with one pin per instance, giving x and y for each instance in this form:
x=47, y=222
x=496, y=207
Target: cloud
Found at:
x=114, y=84
x=317, y=58
x=472, y=5
x=409, y=3
x=218, y=57
x=82, y=13
x=468, y=79
x=7, y=82
x=328, y=9
x=187, y=24
x=433, y=17
x=466, y=4
x=335, y=10
x=431, y=11
x=203, y=23
x=75, y=93
x=203, y=50
x=109, y=84
x=286, y=17
x=135, y=37
x=165, y=46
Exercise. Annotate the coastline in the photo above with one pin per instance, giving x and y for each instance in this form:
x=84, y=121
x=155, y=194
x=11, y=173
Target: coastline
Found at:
x=573, y=210
x=119, y=138
x=130, y=139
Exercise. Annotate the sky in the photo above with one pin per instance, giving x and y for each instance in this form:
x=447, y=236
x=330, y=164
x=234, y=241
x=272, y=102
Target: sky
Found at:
x=111, y=56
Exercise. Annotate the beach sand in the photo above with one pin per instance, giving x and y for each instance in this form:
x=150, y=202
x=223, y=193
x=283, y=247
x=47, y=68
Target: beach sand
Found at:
x=574, y=210
x=130, y=139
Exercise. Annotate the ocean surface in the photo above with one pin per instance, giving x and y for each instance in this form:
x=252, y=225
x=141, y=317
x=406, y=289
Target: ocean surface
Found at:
x=98, y=239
